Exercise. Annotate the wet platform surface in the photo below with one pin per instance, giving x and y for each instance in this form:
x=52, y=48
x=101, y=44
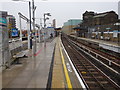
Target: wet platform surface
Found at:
x=34, y=70
x=46, y=69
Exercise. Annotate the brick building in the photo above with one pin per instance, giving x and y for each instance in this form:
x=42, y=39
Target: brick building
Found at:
x=93, y=19
x=104, y=25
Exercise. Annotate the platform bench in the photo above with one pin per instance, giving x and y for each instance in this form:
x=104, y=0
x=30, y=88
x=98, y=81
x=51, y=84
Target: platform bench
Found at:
x=19, y=55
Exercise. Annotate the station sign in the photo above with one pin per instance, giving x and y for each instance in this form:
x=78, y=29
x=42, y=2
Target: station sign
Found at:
x=3, y=21
x=14, y=32
x=108, y=28
x=50, y=27
x=115, y=33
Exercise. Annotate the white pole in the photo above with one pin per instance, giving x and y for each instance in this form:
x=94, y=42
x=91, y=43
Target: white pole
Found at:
x=44, y=31
x=41, y=38
x=34, y=47
x=9, y=61
x=28, y=32
x=20, y=30
x=39, y=35
x=40, y=28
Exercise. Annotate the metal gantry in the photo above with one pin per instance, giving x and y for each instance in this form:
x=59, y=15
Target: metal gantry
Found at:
x=30, y=39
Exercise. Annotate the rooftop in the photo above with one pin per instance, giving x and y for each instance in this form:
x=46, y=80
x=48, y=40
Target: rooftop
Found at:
x=100, y=15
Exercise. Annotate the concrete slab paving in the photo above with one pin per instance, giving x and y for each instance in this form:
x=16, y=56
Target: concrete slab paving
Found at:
x=33, y=72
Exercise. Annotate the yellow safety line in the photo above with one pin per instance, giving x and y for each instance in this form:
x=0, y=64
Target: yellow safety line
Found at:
x=65, y=70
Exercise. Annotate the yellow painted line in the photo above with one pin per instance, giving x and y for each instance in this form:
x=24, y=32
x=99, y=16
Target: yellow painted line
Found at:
x=65, y=71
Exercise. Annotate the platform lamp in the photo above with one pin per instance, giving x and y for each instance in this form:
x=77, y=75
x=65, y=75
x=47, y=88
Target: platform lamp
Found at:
x=45, y=14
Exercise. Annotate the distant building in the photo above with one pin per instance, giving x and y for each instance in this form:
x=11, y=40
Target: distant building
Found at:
x=87, y=18
x=11, y=22
x=3, y=14
x=3, y=21
x=54, y=23
x=92, y=19
x=105, y=18
x=70, y=24
x=103, y=26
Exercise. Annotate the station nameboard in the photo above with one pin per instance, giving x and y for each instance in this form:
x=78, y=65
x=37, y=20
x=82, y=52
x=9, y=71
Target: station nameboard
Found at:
x=14, y=32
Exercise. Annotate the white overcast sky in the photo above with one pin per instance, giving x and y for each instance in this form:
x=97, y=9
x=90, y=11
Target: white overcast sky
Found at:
x=61, y=10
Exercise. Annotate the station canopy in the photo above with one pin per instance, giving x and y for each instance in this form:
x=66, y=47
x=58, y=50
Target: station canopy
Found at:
x=78, y=28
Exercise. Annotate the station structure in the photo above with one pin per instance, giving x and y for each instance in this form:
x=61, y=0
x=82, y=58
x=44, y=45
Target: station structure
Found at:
x=86, y=57
x=51, y=67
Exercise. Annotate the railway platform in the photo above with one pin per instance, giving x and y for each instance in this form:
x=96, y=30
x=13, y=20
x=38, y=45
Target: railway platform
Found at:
x=113, y=46
x=50, y=67
x=64, y=74
x=33, y=71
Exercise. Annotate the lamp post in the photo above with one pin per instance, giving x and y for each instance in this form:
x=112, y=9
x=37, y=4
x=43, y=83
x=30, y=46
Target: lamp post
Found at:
x=33, y=11
x=40, y=29
x=20, y=30
x=48, y=14
x=30, y=25
x=30, y=40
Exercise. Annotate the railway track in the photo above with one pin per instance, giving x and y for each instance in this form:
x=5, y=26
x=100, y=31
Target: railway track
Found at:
x=93, y=77
x=114, y=59
x=112, y=64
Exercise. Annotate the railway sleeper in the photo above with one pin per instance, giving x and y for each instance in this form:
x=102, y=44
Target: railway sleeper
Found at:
x=98, y=88
x=94, y=86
